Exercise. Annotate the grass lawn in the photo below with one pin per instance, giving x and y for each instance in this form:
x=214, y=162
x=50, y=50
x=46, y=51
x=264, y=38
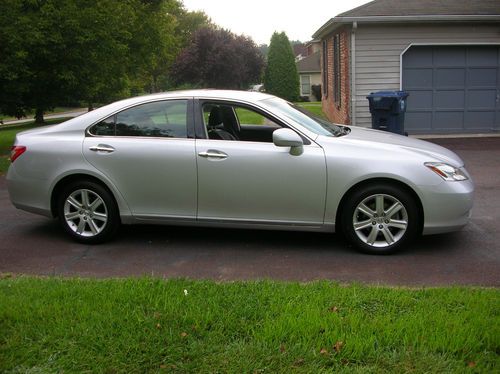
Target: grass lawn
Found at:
x=154, y=325
x=313, y=107
x=7, y=135
x=248, y=117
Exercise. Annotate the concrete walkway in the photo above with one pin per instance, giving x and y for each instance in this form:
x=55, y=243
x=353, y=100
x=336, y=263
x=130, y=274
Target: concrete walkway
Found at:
x=73, y=113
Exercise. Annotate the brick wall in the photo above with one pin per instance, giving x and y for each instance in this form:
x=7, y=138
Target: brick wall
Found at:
x=338, y=112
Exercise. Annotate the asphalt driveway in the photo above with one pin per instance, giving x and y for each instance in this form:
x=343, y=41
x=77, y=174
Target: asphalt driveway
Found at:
x=35, y=245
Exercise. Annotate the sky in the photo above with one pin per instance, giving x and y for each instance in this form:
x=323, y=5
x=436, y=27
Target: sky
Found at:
x=260, y=18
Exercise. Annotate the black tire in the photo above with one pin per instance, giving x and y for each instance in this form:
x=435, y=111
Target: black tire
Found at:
x=91, y=219
x=380, y=227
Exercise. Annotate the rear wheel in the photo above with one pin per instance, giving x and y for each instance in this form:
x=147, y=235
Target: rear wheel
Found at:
x=380, y=218
x=88, y=212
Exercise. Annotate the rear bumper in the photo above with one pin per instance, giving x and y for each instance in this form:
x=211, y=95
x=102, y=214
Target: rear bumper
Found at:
x=447, y=206
x=28, y=194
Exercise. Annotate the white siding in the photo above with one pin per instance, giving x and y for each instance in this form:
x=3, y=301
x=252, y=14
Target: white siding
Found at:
x=378, y=50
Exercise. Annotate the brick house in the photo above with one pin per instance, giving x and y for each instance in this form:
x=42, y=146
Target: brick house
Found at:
x=445, y=53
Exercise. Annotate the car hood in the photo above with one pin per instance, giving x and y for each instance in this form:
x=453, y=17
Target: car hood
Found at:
x=369, y=138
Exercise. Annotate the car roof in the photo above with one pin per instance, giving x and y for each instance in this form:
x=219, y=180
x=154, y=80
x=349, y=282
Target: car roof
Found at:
x=85, y=119
x=203, y=94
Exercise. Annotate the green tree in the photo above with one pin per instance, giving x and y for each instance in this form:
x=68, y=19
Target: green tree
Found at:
x=14, y=25
x=61, y=51
x=217, y=58
x=158, y=42
x=55, y=52
x=101, y=35
x=281, y=77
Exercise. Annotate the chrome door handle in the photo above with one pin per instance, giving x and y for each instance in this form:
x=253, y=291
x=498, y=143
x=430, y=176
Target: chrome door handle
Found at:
x=212, y=154
x=102, y=148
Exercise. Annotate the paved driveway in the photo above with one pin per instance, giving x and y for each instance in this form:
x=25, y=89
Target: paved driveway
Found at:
x=35, y=245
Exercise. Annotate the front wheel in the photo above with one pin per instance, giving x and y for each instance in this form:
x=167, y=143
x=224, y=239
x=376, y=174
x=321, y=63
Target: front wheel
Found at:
x=379, y=219
x=88, y=212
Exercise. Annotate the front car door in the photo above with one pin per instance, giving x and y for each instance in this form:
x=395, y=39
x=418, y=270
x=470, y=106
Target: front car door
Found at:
x=243, y=177
x=148, y=153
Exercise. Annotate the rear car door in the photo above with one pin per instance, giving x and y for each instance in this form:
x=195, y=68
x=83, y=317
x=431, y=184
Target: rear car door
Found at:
x=148, y=153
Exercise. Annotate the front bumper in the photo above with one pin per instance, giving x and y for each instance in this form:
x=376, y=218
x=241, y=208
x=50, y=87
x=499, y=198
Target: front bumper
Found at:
x=447, y=206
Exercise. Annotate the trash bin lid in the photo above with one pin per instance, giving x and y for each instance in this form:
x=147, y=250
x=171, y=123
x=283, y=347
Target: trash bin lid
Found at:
x=398, y=94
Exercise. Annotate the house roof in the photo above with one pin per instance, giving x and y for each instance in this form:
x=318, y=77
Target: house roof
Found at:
x=309, y=64
x=385, y=11
x=424, y=7
x=299, y=49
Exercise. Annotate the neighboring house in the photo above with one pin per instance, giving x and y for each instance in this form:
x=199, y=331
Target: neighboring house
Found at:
x=309, y=69
x=299, y=51
x=445, y=53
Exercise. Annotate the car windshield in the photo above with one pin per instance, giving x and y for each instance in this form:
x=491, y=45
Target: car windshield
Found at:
x=305, y=118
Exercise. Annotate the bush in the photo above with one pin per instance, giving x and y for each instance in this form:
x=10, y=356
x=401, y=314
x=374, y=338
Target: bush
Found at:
x=281, y=77
x=316, y=90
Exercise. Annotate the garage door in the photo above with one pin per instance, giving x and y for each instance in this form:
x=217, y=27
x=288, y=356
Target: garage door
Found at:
x=453, y=89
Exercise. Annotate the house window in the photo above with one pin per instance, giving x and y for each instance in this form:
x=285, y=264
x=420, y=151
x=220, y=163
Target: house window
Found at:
x=336, y=71
x=325, y=68
x=305, y=85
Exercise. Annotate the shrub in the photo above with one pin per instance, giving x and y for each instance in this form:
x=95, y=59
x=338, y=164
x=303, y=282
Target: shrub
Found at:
x=316, y=90
x=281, y=77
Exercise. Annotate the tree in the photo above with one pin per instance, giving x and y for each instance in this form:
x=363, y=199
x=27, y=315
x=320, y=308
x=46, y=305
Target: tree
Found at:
x=13, y=61
x=157, y=42
x=263, y=49
x=64, y=51
x=281, y=77
x=57, y=52
x=217, y=58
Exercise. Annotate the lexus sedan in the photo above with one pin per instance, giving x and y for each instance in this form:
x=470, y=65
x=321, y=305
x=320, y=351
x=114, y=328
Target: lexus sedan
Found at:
x=236, y=159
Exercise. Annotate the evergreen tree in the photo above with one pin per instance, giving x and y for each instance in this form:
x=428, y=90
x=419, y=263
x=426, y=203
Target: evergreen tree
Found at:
x=281, y=77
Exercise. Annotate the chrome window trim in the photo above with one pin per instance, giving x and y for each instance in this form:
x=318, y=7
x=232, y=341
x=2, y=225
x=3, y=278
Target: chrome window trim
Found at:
x=302, y=131
x=89, y=134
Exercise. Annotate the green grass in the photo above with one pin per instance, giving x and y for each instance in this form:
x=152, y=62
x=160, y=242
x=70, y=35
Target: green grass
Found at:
x=313, y=107
x=7, y=135
x=249, y=117
x=150, y=325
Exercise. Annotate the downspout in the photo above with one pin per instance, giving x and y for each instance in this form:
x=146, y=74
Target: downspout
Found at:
x=353, y=72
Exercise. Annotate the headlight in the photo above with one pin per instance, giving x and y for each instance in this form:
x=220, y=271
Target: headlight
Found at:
x=447, y=172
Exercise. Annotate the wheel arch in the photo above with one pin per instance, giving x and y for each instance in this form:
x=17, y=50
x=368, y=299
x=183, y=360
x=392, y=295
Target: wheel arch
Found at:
x=63, y=182
x=389, y=181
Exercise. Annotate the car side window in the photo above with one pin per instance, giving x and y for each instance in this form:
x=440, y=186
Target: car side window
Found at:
x=237, y=122
x=156, y=119
x=247, y=117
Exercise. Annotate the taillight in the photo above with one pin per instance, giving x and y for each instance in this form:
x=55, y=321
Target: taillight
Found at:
x=16, y=151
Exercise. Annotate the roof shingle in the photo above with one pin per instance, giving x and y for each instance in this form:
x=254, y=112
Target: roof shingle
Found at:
x=309, y=64
x=424, y=7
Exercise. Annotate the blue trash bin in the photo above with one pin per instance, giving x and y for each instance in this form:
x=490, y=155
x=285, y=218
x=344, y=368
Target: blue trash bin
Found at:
x=388, y=110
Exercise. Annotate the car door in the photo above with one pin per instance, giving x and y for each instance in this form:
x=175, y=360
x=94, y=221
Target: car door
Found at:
x=255, y=181
x=148, y=153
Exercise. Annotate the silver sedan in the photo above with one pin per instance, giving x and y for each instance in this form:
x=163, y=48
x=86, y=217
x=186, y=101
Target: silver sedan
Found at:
x=236, y=159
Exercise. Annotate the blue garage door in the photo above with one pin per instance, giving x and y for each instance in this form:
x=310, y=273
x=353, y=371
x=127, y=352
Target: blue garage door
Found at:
x=453, y=89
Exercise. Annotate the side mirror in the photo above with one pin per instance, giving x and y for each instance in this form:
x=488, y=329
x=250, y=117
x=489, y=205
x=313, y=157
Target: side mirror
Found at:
x=288, y=138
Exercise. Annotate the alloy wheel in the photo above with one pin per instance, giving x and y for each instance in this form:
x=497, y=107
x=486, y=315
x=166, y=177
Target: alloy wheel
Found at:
x=85, y=213
x=380, y=220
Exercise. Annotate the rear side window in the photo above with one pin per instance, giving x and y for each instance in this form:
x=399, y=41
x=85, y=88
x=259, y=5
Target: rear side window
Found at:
x=158, y=119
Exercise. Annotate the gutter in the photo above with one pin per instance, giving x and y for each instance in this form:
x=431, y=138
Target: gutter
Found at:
x=336, y=22
x=353, y=73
